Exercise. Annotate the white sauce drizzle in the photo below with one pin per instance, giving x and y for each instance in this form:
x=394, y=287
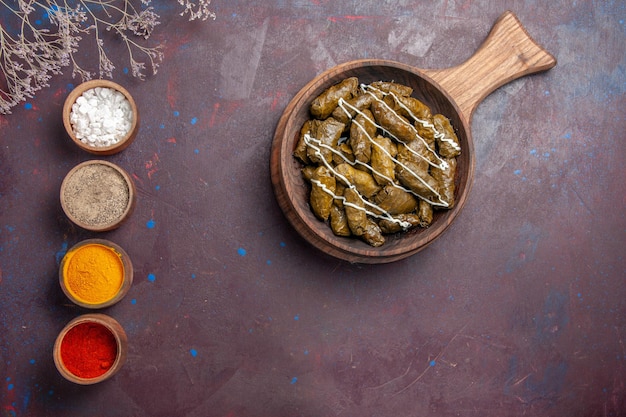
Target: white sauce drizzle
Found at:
x=385, y=214
x=317, y=146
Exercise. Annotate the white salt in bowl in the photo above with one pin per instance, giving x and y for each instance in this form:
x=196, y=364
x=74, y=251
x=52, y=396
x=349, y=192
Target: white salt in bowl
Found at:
x=101, y=117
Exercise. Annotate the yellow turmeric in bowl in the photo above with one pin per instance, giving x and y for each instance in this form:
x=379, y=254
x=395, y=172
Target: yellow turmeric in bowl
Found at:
x=93, y=273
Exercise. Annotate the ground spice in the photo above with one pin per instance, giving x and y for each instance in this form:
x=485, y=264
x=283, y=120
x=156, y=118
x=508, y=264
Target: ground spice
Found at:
x=93, y=273
x=88, y=350
x=96, y=195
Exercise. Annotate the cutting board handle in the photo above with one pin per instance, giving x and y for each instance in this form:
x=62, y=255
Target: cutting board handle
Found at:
x=507, y=53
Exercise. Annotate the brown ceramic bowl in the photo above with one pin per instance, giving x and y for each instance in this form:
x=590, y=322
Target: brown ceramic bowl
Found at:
x=124, y=141
x=100, y=285
x=507, y=53
x=97, y=195
x=105, y=325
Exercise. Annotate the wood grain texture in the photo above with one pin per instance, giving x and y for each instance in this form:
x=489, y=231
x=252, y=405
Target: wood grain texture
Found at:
x=507, y=53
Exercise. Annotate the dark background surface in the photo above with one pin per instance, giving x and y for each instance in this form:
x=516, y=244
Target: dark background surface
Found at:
x=518, y=309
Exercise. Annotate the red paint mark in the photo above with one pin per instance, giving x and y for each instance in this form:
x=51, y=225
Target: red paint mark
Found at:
x=37, y=142
x=60, y=93
x=171, y=140
x=151, y=165
x=216, y=108
x=172, y=92
x=276, y=100
x=36, y=171
x=136, y=178
x=353, y=18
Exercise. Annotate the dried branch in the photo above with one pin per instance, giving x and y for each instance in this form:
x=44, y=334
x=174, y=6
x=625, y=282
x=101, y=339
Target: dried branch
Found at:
x=32, y=51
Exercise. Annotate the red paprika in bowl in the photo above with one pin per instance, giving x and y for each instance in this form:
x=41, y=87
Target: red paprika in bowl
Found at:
x=90, y=349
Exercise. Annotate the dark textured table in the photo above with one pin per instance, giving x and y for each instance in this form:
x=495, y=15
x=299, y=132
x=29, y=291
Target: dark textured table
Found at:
x=519, y=308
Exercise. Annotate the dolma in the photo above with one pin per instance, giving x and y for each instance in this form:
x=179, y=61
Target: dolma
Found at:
x=413, y=177
x=382, y=162
x=389, y=226
x=307, y=172
x=412, y=108
x=362, y=181
x=339, y=190
x=346, y=112
x=327, y=132
x=425, y=129
x=372, y=234
x=425, y=213
x=358, y=222
x=339, y=221
x=416, y=153
x=392, y=122
x=345, y=151
x=394, y=200
x=321, y=200
x=362, y=130
x=445, y=180
x=391, y=87
x=324, y=104
x=447, y=141
x=301, y=148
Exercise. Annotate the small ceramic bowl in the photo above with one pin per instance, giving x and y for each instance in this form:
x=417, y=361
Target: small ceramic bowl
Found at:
x=90, y=349
x=103, y=148
x=96, y=273
x=97, y=195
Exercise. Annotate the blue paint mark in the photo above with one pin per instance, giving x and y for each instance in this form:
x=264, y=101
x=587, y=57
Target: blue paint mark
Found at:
x=157, y=187
x=196, y=151
x=28, y=106
x=193, y=352
x=241, y=252
x=133, y=301
x=10, y=387
x=193, y=276
x=517, y=171
x=282, y=244
x=554, y=317
x=547, y=93
x=533, y=151
x=268, y=262
x=567, y=135
x=551, y=382
x=194, y=120
x=38, y=22
x=150, y=224
x=32, y=361
x=432, y=363
x=61, y=253
x=162, y=126
x=294, y=380
x=306, y=351
x=176, y=113
x=151, y=277
x=296, y=317
x=125, y=70
x=546, y=154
